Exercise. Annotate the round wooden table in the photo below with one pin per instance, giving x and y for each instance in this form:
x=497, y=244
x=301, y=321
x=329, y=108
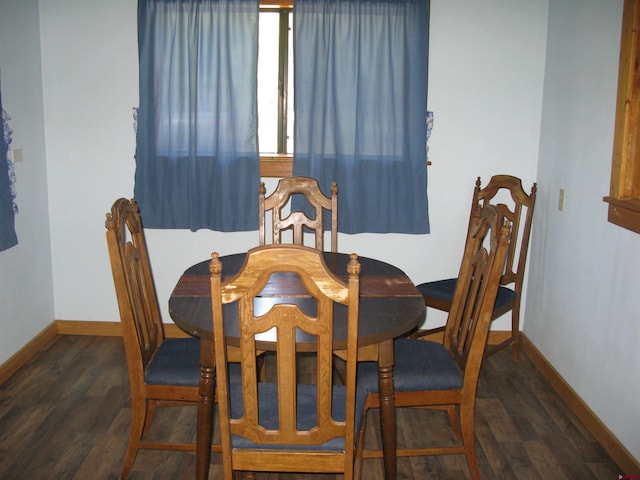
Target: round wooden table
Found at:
x=390, y=306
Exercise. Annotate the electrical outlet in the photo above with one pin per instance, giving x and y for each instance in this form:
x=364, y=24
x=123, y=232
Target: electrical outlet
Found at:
x=561, y=200
x=15, y=155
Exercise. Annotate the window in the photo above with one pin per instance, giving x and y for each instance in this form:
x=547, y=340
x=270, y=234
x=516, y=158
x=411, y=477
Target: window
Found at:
x=275, y=88
x=624, y=195
x=360, y=104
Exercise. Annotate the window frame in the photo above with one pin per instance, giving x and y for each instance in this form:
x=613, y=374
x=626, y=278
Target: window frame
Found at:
x=277, y=164
x=624, y=193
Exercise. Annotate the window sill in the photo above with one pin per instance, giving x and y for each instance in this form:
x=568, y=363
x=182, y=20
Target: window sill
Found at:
x=274, y=165
x=280, y=165
x=624, y=213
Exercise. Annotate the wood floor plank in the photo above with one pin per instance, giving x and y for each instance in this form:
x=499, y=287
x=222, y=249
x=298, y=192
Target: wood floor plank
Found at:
x=491, y=456
x=544, y=461
x=65, y=415
x=518, y=461
x=497, y=418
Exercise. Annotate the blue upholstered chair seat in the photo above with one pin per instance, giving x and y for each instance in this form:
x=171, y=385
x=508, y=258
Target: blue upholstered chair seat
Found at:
x=444, y=289
x=419, y=365
x=268, y=413
x=176, y=362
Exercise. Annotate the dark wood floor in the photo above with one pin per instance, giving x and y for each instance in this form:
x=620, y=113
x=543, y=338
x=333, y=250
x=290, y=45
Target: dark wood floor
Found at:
x=65, y=415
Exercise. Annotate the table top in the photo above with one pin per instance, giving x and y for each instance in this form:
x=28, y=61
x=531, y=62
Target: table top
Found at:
x=390, y=304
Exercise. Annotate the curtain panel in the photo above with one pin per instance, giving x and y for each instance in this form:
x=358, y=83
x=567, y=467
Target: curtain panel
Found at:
x=361, y=71
x=8, y=237
x=197, y=162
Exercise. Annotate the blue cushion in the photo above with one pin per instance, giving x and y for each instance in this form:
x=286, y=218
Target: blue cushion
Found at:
x=444, y=289
x=177, y=362
x=419, y=365
x=307, y=418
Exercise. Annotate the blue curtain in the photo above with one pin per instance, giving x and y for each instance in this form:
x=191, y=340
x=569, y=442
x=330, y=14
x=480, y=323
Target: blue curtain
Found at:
x=197, y=163
x=8, y=237
x=360, y=108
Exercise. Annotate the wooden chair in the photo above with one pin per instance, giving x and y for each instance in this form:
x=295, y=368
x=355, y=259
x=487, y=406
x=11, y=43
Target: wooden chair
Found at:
x=161, y=371
x=517, y=206
x=297, y=221
x=286, y=426
x=430, y=374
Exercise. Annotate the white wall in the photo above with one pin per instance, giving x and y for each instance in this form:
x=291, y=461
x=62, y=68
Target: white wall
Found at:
x=26, y=284
x=486, y=93
x=582, y=308
x=89, y=69
x=486, y=64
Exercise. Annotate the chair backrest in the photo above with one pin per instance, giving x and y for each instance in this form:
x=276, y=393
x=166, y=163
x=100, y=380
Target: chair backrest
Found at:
x=505, y=192
x=468, y=323
x=297, y=221
x=137, y=301
x=289, y=320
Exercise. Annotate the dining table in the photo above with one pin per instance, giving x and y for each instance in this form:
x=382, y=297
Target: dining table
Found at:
x=390, y=306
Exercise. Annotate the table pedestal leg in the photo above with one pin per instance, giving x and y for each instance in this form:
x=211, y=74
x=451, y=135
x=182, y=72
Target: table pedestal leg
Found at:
x=387, y=408
x=205, y=410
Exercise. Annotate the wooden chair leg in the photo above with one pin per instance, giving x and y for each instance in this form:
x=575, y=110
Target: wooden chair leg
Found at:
x=468, y=440
x=135, y=435
x=261, y=366
x=515, y=332
x=360, y=448
x=452, y=412
x=152, y=406
x=338, y=370
x=426, y=332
